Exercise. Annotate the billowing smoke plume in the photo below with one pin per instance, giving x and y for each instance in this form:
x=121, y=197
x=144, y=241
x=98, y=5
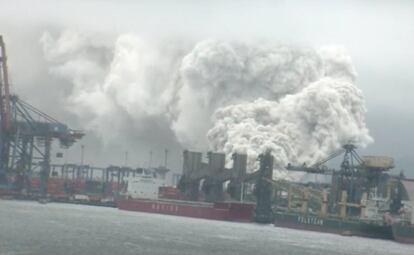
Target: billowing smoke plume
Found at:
x=121, y=89
x=215, y=74
x=297, y=102
x=304, y=127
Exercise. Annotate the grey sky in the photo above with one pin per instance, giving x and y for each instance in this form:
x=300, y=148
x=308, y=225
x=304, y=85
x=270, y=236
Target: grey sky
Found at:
x=379, y=36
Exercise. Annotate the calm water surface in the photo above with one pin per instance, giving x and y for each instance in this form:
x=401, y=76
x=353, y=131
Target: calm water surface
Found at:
x=32, y=228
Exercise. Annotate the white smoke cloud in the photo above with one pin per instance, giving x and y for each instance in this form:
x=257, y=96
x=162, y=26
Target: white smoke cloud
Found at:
x=215, y=74
x=119, y=88
x=298, y=102
x=299, y=128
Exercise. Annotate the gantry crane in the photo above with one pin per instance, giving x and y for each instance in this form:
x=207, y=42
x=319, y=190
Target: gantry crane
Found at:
x=26, y=136
x=356, y=176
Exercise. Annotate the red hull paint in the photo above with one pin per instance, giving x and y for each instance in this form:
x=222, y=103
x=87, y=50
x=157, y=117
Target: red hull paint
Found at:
x=226, y=211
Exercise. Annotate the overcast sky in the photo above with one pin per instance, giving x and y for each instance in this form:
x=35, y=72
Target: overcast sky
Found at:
x=379, y=36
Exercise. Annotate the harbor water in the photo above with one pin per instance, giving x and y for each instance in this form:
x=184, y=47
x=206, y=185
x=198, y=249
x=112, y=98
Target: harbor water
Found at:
x=33, y=228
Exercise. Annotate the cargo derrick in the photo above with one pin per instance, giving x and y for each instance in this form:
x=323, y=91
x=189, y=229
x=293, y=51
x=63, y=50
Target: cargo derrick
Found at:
x=211, y=176
x=217, y=174
x=263, y=189
x=5, y=116
x=26, y=137
x=357, y=203
x=356, y=179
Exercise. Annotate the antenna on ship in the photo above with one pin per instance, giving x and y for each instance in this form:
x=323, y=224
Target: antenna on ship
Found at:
x=150, y=159
x=126, y=158
x=166, y=158
x=82, y=154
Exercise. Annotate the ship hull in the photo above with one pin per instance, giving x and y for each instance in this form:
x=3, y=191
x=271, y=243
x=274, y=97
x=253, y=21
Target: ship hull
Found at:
x=333, y=225
x=403, y=233
x=240, y=212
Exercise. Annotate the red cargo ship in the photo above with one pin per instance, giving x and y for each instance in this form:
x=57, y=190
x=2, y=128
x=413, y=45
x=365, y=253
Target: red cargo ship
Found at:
x=228, y=211
x=145, y=194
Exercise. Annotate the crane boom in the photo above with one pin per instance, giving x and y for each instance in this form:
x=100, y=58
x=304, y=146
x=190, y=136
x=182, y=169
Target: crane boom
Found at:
x=5, y=113
x=26, y=135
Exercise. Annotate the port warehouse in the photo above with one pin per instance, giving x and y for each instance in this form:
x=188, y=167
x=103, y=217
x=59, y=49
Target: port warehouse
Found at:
x=362, y=187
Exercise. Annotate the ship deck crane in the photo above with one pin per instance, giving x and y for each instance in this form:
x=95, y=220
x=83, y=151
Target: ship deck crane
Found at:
x=350, y=185
x=355, y=176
